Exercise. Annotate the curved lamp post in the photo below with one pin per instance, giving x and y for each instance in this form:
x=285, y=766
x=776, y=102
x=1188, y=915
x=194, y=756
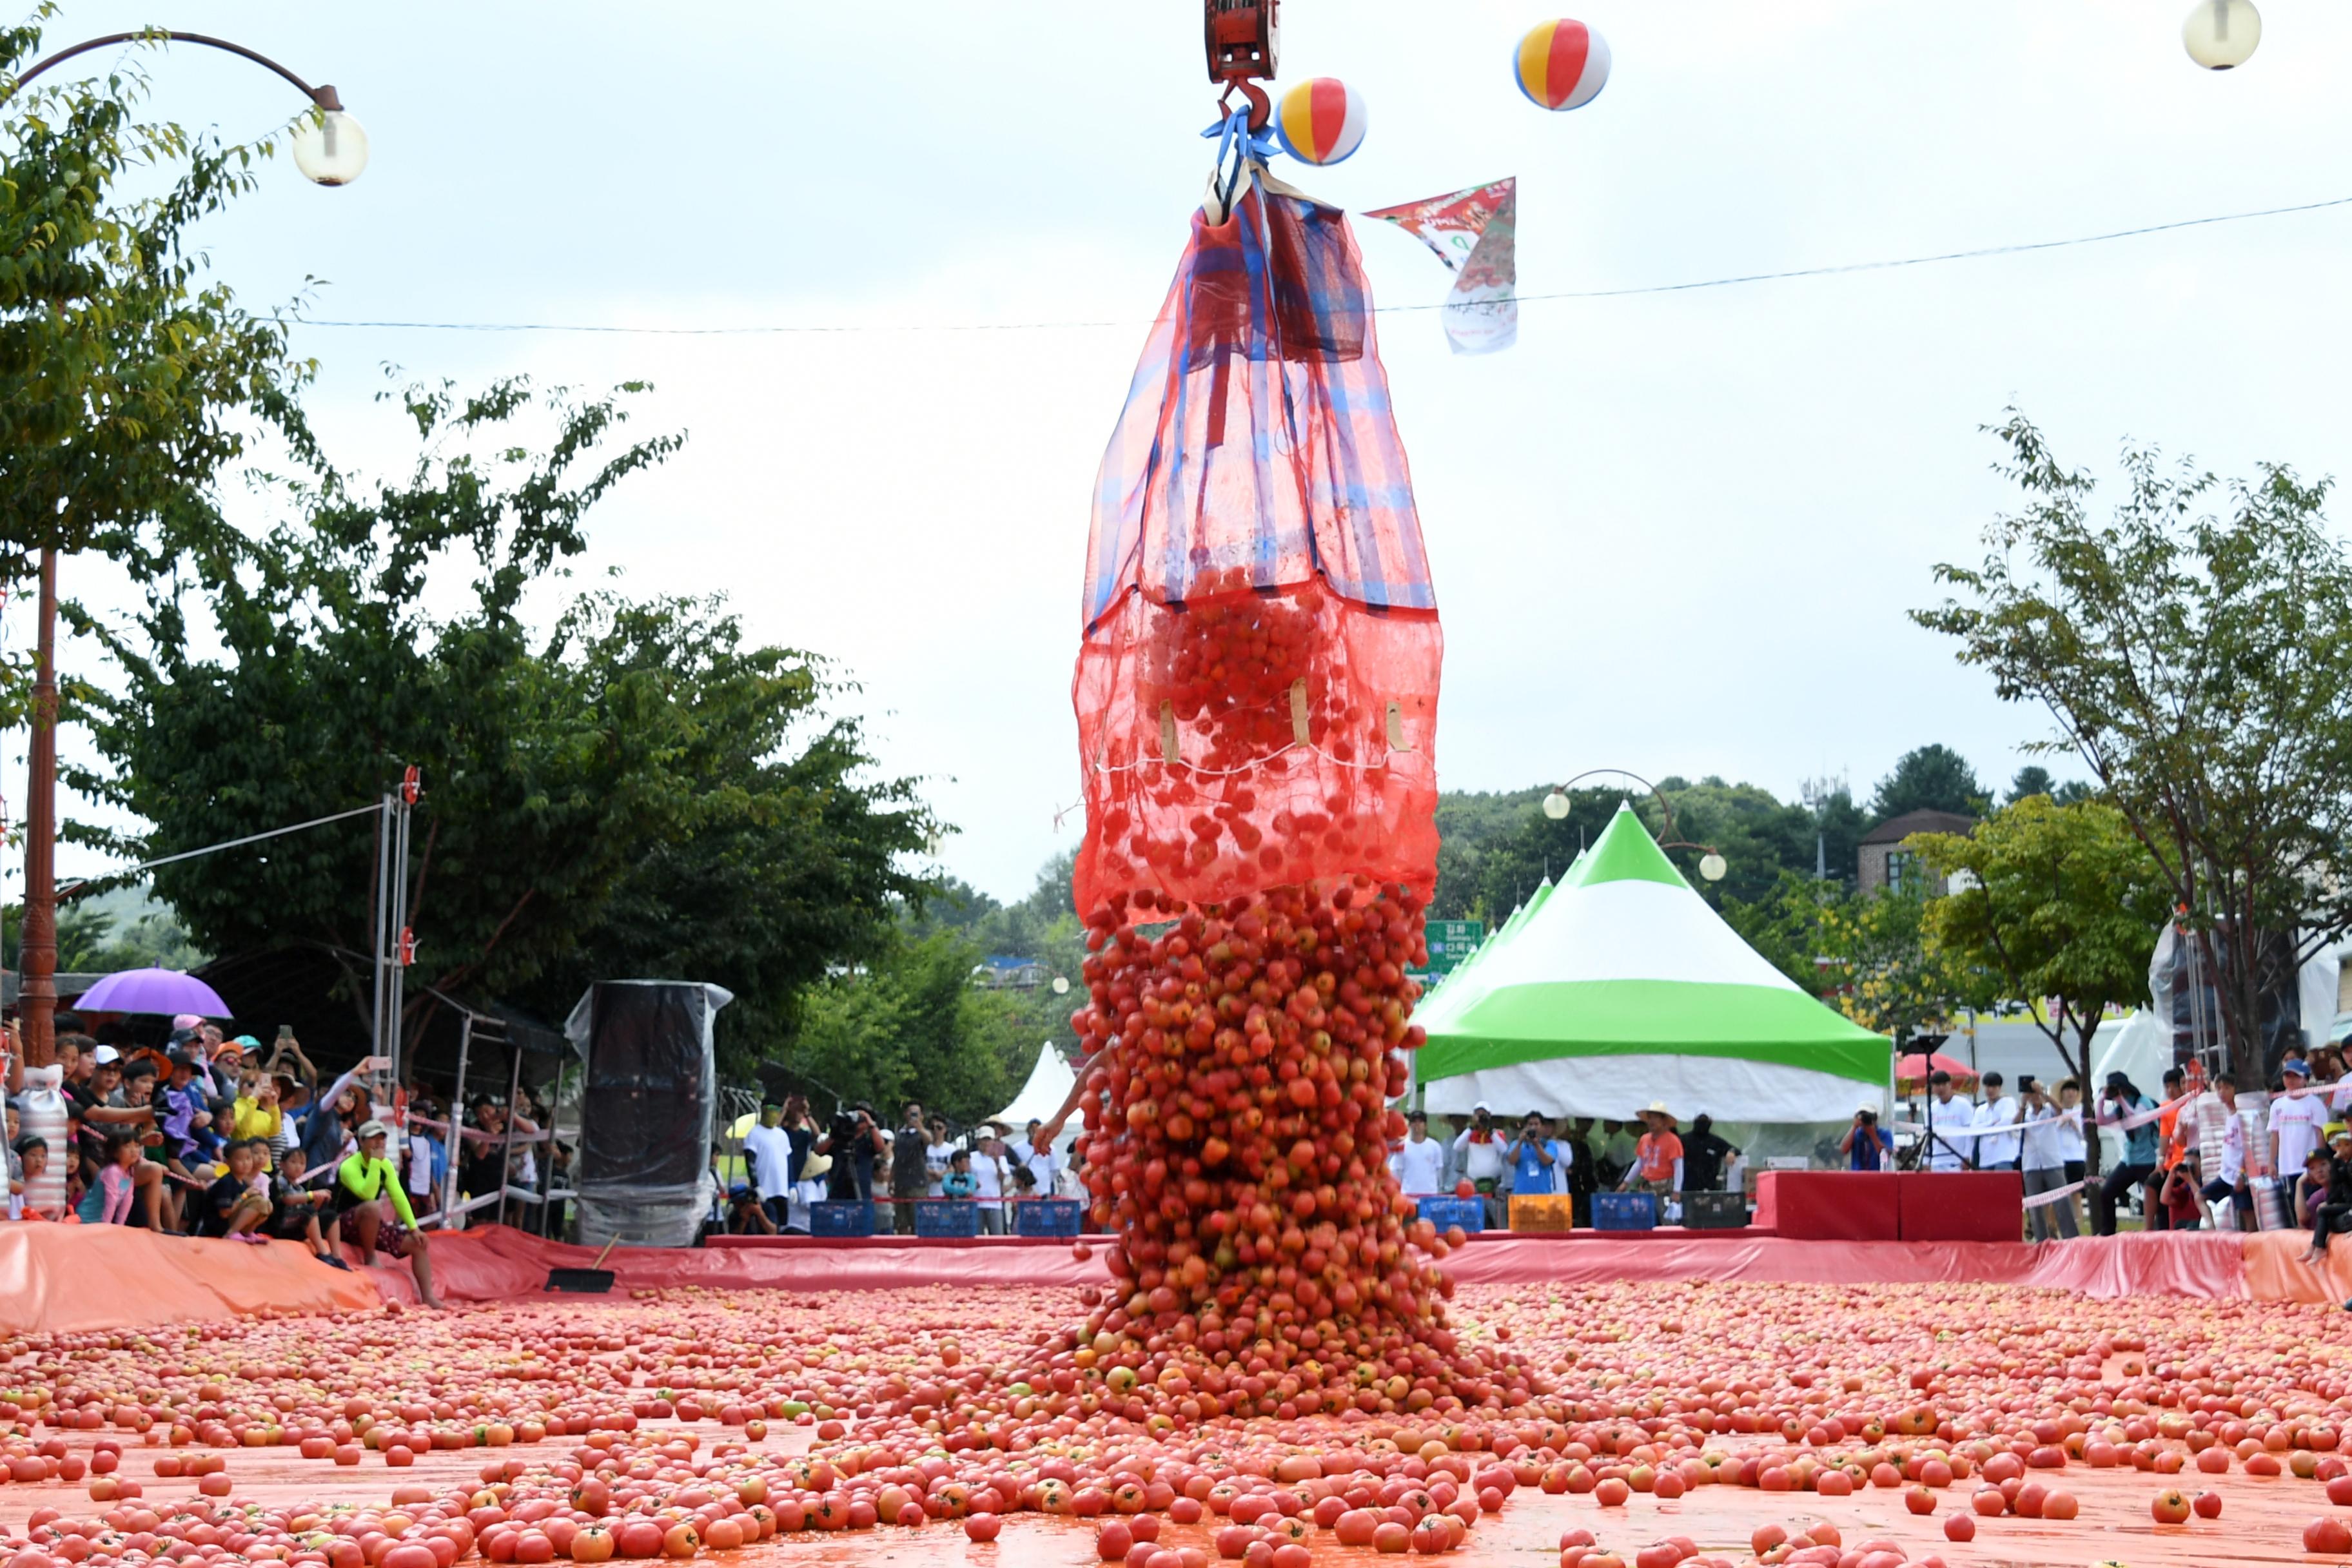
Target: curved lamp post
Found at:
x=1711, y=864
x=332, y=150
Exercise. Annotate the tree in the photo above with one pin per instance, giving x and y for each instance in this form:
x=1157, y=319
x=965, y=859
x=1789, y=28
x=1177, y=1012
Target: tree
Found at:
x=2196, y=661
x=2061, y=902
x=1784, y=927
x=125, y=378
x=1932, y=778
x=2032, y=779
x=633, y=790
x=911, y=1025
x=1893, y=976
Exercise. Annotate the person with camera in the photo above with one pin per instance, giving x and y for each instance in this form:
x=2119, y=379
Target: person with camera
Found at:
x=747, y=1212
x=1538, y=1161
x=910, y=1173
x=1866, y=1145
x=854, y=1142
x=1478, y=1155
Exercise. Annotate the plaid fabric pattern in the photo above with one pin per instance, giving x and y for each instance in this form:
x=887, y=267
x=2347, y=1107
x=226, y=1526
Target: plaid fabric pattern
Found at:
x=1257, y=444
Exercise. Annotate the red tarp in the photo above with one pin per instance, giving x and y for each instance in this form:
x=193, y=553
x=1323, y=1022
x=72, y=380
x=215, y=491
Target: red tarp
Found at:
x=1960, y=1206
x=67, y=1279
x=1828, y=1206
x=2195, y=1264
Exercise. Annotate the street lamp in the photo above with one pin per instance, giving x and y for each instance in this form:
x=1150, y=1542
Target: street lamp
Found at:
x=2221, y=35
x=335, y=152
x=1711, y=863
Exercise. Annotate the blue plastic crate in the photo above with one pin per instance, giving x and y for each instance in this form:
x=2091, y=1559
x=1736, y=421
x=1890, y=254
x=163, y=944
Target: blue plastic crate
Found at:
x=947, y=1217
x=1047, y=1216
x=1470, y=1214
x=851, y=1217
x=1624, y=1211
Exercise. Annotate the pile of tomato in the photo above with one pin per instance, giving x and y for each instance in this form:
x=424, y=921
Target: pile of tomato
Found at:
x=1265, y=1261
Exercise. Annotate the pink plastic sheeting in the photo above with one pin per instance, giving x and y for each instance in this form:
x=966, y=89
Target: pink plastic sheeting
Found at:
x=2196, y=1265
x=496, y=1263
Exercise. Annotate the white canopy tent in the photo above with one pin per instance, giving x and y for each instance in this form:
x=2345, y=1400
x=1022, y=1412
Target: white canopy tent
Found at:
x=1049, y=1084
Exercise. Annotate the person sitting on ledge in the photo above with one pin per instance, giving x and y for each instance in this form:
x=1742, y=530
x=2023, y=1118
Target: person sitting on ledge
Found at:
x=364, y=1184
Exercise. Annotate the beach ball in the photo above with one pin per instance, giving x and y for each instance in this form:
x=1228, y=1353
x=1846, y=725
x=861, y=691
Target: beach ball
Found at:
x=1320, y=120
x=1561, y=65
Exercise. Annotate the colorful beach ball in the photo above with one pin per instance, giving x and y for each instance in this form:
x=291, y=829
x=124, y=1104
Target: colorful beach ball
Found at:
x=1320, y=120
x=1561, y=65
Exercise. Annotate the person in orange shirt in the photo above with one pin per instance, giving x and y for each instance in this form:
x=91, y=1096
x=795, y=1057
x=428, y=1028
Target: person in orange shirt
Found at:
x=2172, y=1135
x=1657, y=1155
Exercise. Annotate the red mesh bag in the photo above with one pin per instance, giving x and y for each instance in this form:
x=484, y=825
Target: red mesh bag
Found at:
x=1256, y=694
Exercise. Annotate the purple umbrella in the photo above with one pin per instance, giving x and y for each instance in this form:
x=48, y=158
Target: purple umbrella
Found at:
x=163, y=990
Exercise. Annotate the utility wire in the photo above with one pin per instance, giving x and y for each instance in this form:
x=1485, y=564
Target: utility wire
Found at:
x=1732, y=281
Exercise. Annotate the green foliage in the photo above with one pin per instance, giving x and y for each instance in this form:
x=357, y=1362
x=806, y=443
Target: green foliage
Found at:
x=93, y=939
x=1873, y=956
x=1931, y=778
x=635, y=792
x=911, y=1025
x=1042, y=927
x=124, y=376
x=1891, y=973
x=2032, y=779
x=1784, y=927
x=2062, y=903
x=1494, y=850
x=2191, y=651
x=1471, y=824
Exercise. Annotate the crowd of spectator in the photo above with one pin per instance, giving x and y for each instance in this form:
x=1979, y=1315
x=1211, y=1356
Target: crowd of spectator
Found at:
x=791, y=1161
x=1575, y=1158
x=210, y=1136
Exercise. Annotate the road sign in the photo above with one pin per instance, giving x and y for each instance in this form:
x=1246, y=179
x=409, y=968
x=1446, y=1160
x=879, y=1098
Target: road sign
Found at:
x=1451, y=942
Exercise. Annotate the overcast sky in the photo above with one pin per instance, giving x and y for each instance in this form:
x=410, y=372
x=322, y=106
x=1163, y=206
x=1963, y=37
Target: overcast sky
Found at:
x=1676, y=533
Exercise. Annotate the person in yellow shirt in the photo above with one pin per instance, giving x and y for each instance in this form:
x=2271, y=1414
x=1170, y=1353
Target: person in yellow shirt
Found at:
x=257, y=1113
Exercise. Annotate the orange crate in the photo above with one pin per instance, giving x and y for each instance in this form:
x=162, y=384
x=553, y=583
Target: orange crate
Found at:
x=1543, y=1212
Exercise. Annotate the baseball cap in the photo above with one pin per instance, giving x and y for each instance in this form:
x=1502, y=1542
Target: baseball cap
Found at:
x=739, y=1190
x=374, y=1130
x=1482, y=1105
x=2294, y=1065
x=106, y=1054
x=187, y=1021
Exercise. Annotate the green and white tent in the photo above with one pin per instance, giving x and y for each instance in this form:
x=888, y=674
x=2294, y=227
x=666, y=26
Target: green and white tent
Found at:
x=1625, y=988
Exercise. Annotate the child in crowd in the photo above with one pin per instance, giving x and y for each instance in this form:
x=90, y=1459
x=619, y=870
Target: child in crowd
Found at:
x=116, y=1180
x=959, y=1183
x=230, y=1206
x=24, y=1201
x=295, y=1210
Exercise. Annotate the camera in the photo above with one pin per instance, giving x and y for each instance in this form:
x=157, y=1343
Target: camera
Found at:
x=845, y=1128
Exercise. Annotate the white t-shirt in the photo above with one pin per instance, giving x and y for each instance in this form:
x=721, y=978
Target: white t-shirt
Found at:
x=987, y=1176
x=2040, y=1144
x=770, y=1149
x=2297, y=1118
x=1419, y=1167
x=1482, y=1162
x=1951, y=1155
x=1999, y=1149
x=935, y=1162
x=1045, y=1164
x=2233, y=1147
x=2070, y=1136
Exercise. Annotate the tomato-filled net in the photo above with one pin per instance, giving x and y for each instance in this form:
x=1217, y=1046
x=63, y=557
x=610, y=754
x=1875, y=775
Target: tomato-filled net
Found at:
x=1256, y=698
